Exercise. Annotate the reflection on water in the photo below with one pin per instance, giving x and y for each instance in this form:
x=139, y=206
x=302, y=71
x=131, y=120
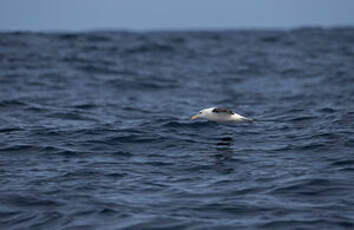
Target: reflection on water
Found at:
x=224, y=153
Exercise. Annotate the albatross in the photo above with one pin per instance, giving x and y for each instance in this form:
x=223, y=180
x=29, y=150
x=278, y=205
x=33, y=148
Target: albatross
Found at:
x=221, y=115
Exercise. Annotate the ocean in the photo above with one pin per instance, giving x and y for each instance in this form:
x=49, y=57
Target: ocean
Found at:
x=95, y=129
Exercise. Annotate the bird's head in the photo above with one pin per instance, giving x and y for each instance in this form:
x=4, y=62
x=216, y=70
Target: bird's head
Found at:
x=204, y=113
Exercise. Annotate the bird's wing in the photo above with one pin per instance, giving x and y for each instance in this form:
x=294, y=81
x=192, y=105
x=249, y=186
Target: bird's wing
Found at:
x=222, y=110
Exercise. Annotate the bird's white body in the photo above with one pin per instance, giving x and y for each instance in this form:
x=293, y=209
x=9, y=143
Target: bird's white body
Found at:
x=221, y=115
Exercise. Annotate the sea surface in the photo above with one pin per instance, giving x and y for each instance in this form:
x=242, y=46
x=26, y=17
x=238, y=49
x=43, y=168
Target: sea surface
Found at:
x=95, y=130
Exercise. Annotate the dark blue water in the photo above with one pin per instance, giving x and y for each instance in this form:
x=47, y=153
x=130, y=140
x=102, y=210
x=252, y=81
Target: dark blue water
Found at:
x=95, y=130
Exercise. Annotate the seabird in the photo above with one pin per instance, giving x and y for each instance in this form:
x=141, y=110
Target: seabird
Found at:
x=221, y=115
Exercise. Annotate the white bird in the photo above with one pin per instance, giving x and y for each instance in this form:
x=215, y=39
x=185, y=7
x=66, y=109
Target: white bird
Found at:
x=221, y=115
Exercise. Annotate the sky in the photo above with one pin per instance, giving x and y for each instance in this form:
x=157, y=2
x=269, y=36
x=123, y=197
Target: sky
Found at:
x=79, y=15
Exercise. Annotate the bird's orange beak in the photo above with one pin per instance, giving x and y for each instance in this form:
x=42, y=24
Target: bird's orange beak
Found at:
x=195, y=116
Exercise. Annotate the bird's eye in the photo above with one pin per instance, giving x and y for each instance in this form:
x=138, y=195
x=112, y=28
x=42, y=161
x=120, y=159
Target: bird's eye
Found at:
x=200, y=112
